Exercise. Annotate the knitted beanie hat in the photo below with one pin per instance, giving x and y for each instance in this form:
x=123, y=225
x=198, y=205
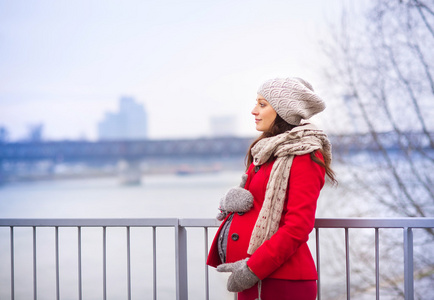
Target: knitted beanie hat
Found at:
x=292, y=98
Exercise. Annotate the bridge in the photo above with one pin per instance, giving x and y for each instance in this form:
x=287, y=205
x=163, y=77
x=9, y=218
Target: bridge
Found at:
x=190, y=148
x=126, y=157
x=131, y=150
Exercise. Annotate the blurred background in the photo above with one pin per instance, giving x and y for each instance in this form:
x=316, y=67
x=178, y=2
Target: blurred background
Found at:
x=142, y=109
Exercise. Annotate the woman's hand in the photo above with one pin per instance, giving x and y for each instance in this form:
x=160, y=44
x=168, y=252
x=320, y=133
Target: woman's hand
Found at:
x=237, y=199
x=242, y=277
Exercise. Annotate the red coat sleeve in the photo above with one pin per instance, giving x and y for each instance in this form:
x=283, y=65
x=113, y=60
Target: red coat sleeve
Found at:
x=305, y=182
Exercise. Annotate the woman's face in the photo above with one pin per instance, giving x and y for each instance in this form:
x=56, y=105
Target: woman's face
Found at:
x=264, y=114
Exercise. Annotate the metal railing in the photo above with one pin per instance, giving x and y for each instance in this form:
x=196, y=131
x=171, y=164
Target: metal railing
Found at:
x=180, y=227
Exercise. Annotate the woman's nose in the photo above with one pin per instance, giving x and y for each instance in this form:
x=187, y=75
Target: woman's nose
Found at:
x=254, y=111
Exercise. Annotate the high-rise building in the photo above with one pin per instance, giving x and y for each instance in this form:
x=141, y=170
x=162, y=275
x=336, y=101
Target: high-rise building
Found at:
x=130, y=122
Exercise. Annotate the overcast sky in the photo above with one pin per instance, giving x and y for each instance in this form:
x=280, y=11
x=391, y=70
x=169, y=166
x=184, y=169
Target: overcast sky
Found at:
x=66, y=63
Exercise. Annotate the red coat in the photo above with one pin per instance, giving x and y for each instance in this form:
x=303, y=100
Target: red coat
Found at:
x=286, y=254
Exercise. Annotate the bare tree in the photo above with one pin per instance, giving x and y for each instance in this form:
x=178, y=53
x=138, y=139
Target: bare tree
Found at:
x=384, y=69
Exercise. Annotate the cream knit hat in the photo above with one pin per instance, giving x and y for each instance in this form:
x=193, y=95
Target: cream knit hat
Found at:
x=292, y=98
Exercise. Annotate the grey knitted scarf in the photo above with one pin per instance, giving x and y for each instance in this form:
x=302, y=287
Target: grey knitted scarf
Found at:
x=303, y=139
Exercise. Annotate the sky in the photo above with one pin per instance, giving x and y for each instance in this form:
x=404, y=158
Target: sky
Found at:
x=66, y=63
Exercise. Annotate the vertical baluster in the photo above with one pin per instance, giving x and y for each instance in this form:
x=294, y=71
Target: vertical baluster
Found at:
x=104, y=263
x=181, y=262
x=318, y=262
x=129, y=262
x=35, y=291
x=57, y=264
x=408, y=264
x=80, y=280
x=377, y=264
x=12, y=264
x=154, y=262
x=206, y=267
x=347, y=259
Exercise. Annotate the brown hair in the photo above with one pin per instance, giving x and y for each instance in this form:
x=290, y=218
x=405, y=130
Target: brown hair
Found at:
x=280, y=126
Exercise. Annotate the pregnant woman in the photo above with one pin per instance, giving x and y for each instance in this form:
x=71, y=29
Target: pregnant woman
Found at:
x=262, y=240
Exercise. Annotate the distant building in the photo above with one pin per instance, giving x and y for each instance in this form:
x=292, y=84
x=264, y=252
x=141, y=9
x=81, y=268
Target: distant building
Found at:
x=223, y=126
x=35, y=132
x=4, y=134
x=130, y=122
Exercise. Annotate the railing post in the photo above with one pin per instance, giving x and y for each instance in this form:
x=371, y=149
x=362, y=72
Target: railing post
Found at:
x=12, y=264
x=35, y=280
x=80, y=278
x=377, y=264
x=57, y=263
x=318, y=264
x=347, y=262
x=129, y=261
x=154, y=263
x=181, y=262
x=104, y=263
x=205, y=230
x=408, y=264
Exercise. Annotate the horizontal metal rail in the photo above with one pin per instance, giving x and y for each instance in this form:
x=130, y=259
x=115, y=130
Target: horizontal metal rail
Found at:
x=171, y=222
x=375, y=223
x=180, y=225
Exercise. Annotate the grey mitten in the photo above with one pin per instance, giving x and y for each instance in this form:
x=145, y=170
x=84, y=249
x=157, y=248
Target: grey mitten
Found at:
x=241, y=278
x=237, y=199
